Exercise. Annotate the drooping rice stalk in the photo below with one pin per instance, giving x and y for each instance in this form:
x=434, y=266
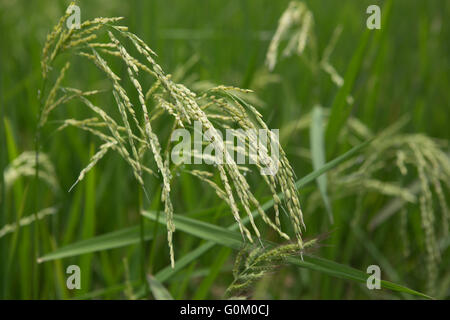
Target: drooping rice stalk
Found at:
x=296, y=23
x=24, y=166
x=296, y=27
x=10, y=228
x=133, y=136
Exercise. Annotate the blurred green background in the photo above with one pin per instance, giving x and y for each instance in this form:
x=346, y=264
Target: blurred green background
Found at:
x=405, y=72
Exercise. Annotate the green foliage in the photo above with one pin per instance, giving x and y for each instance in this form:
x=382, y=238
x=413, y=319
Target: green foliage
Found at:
x=389, y=197
x=229, y=238
x=318, y=155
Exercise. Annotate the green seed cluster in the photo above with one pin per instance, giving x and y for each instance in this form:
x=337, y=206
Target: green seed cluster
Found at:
x=253, y=263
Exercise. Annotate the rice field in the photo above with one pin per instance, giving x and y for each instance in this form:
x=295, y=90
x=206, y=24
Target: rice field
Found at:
x=338, y=163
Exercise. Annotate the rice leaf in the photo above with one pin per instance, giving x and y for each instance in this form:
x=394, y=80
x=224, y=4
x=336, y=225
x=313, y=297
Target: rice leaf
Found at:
x=89, y=222
x=214, y=271
x=168, y=272
x=340, y=110
x=234, y=240
x=107, y=241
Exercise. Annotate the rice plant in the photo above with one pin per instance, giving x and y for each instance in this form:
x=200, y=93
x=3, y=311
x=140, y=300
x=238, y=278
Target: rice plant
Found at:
x=134, y=138
x=252, y=264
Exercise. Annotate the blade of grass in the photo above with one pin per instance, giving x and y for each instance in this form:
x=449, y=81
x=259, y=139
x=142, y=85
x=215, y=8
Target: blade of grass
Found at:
x=167, y=272
x=318, y=155
x=204, y=288
x=116, y=239
x=74, y=217
x=12, y=247
x=183, y=282
x=111, y=240
x=340, y=110
x=60, y=276
x=380, y=45
x=142, y=239
x=158, y=290
x=13, y=243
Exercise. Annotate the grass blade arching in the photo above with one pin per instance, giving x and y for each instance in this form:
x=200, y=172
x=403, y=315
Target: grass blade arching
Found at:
x=234, y=240
x=116, y=239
